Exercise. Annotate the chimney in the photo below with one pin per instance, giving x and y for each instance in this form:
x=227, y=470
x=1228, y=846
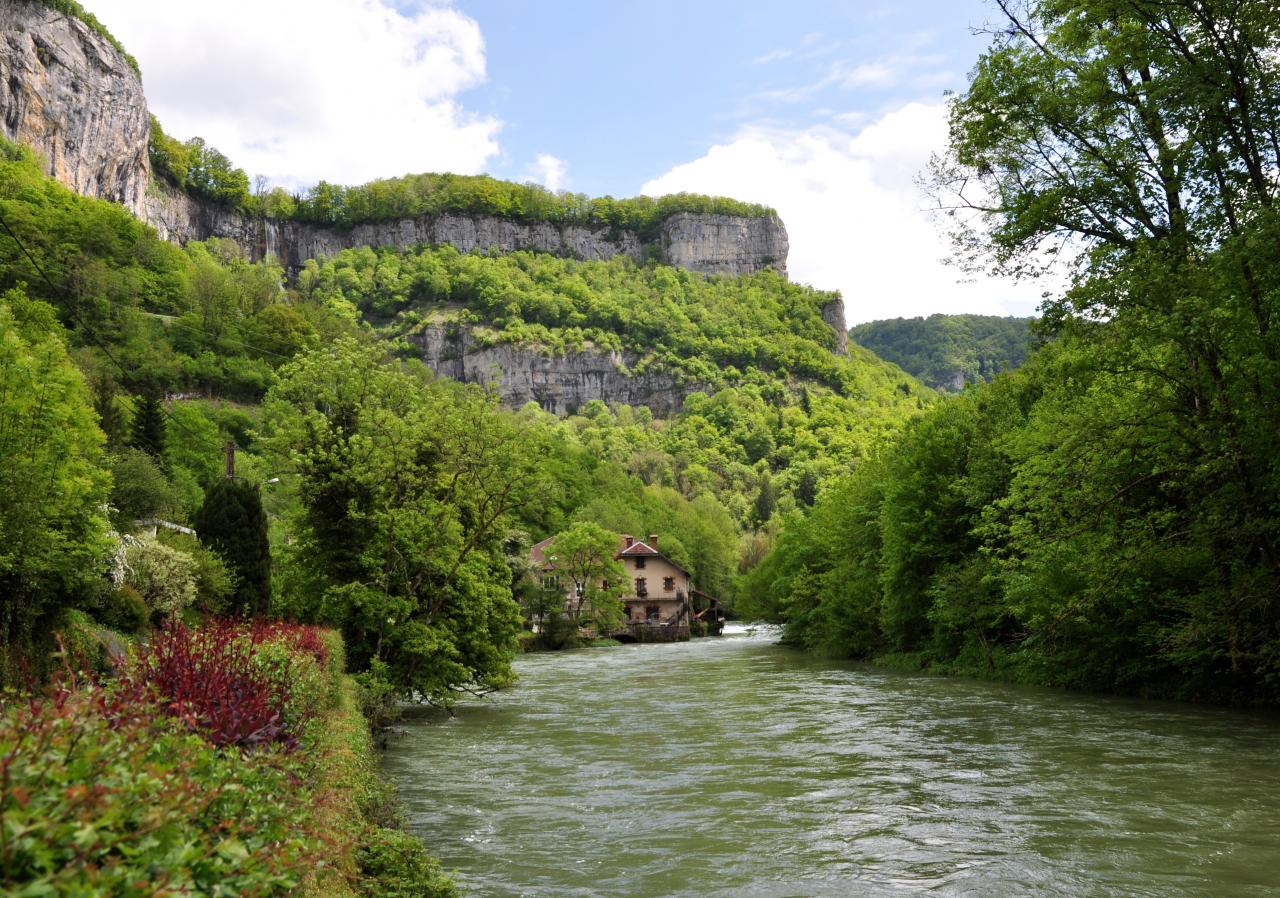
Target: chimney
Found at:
x=627, y=540
x=653, y=540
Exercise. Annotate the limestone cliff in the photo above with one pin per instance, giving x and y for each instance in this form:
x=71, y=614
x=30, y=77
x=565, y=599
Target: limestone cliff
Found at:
x=69, y=94
x=706, y=243
x=724, y=244
x=180, y=218
x=523, y=373
x=833, y=315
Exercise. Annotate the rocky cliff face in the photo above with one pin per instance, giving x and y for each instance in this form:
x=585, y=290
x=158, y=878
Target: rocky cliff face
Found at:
x=66, y=92
x=710, y=244
x=560, y=384
x=724, y=244
x=180, y=218
x=833, y=315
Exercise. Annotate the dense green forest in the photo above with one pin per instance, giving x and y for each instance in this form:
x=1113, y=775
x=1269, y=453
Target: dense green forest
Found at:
x=1106, y=516
x=200, y=169
x=1103, y=516
x=949, y=351
x=165, y=354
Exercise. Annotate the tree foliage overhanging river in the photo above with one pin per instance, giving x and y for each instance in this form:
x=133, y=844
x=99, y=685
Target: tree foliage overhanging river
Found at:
x=735, y=767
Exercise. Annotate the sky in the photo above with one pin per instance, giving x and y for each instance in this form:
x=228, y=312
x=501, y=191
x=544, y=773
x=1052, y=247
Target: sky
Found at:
x=826, y=110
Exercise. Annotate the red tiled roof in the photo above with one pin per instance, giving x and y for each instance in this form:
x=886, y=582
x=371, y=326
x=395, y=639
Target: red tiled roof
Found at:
x=641, y=549
x=538, y=552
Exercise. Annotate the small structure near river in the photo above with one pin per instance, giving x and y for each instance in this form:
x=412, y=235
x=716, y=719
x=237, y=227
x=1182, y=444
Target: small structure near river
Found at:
x=660, y=601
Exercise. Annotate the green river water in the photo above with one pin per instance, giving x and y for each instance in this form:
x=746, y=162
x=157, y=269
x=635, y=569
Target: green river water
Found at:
x=734, y=767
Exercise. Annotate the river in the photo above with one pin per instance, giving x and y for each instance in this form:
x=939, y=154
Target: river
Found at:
x=735, y=767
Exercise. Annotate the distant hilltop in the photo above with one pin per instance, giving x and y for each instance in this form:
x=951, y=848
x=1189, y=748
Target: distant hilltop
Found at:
x=72, y=93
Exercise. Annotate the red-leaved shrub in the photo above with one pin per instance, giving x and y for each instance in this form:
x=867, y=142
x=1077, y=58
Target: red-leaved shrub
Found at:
x=302, y=637
x=207, y=678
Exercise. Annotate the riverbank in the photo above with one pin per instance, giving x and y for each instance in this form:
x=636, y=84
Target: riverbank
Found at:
x=228, y=760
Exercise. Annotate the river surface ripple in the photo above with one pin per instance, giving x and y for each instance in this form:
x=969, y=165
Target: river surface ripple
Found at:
x=734, y=767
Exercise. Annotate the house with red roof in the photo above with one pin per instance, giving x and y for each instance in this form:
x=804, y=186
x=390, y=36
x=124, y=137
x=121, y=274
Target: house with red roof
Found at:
x=660, y=588
x=660, y=600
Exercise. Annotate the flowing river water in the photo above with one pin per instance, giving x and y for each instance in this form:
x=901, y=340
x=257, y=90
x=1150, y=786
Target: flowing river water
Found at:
x=735, y=767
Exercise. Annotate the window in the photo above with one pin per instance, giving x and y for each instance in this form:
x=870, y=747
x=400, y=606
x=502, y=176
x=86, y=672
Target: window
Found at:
x=639, y=564
x=604, y=584
x=642, y=588
x=668, y=584
x=551, y=581
x=652, y=613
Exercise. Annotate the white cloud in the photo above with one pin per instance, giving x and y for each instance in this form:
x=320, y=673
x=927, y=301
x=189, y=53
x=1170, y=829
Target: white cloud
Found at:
x=772, y=56
x=300, y=90
x=550, y=171
x=857, y=221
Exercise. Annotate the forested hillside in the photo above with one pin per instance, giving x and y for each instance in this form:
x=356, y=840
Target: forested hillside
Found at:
x=949, y=351
x=363, y=460
x=1106, y=516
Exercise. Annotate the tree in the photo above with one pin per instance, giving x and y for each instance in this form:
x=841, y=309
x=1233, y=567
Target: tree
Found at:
x=584, y=559
x=1138, y=141
x=53, y=530
x=766, y=500
x=147, y=429
x=233, y=523
x=407, y=486
x=140, y=488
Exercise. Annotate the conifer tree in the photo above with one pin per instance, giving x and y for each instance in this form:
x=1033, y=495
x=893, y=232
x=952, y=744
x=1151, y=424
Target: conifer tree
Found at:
x=148, y=425
x=766, y=500
x=232, y=522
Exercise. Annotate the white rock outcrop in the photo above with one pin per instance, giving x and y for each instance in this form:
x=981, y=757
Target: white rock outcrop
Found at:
x=69, y=94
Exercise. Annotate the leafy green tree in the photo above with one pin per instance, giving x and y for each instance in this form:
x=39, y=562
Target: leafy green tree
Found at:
x=53, y=528
x=584, y=559
x=407, y=487
x=233, y=523
x=140, y=488
x=766, y=500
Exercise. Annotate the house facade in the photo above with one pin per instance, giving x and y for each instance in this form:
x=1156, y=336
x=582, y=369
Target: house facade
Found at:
x=660, y=601
x=658, y=588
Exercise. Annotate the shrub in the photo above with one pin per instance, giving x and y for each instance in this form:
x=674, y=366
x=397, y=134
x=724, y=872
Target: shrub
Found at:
x=211, y=681
x=164, y=577
x=395, y=864
x=123, y=609
x=96, y=803
x=140, y=488
x=81, y=646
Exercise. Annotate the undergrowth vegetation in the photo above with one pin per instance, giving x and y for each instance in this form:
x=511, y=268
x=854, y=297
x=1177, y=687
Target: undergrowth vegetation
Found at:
x=224, y=760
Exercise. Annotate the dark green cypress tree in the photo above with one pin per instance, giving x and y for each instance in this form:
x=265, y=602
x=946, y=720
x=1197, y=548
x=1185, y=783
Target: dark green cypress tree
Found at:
x=232, y=522
x=148, y=425
x=110, y=418
x=807, y=487
x=766, y=500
